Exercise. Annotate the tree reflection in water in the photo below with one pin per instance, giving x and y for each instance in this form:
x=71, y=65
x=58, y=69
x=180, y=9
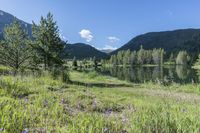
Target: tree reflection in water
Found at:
x=138, y=74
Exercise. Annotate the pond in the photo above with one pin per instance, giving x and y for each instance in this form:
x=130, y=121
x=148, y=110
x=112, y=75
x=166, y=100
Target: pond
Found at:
x=164, y=74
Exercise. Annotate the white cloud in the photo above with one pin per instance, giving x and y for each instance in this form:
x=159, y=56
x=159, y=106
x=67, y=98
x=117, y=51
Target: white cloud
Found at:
x=86, y=34
x=113, y=39
x=109, y=47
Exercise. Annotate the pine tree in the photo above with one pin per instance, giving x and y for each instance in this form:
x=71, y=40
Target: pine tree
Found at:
x=148, y=56
x=47, y=41
x=171, y=58
x=161, y=56
x=198, y=61
x=126, y=57
x=182, y=58
x=141, y=56
x=133, y=58
x=95, y=62
x=15, y=49
x=119, y=57
x=74, y=62
x=158, y=56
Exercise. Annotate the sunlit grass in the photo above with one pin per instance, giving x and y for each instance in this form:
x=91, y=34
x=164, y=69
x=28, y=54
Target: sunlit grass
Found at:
x=44, y=104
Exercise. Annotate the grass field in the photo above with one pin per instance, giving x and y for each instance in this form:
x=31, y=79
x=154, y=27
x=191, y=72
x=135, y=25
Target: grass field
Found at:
x=94, y=103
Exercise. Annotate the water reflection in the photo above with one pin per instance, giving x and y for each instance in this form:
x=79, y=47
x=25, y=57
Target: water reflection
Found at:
x=178, y=74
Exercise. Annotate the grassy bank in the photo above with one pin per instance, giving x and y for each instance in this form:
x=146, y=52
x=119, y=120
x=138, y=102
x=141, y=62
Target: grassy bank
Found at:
x=96, y=103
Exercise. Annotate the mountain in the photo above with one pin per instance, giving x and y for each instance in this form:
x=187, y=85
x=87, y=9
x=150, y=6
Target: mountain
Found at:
x=7, y=19
x=106, y=50
x=83, y=51
x=170, y=41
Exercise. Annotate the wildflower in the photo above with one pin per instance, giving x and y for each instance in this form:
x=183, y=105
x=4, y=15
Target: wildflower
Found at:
x=26, y=100
x=62, y=101
x=124, y=119
x=1, y=129
x=45, y=103
x=105, y=130
x=108, y=112
x=184, y=110
x=124, y=131
x=94, y=104
x=25, y=131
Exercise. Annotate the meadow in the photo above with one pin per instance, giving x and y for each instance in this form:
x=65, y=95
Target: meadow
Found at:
x=95, y=103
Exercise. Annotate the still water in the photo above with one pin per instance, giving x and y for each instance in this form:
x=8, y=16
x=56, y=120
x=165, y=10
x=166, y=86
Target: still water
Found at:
x=170, y=74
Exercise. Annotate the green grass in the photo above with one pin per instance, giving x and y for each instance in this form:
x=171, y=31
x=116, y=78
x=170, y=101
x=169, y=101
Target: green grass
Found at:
x=44, y=104
x=4, y=69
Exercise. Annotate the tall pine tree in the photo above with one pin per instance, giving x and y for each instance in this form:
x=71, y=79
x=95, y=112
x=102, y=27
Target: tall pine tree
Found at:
x=48, y=43
x=15, y=49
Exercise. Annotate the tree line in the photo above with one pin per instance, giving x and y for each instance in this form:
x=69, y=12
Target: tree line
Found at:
x=139, y=57
x=142, y=57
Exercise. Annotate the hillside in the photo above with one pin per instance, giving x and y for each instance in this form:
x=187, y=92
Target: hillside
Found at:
x=171, y=41
x=6, y=19
x=83, y=51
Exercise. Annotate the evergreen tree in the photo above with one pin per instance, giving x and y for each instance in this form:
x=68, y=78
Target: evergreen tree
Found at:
x=15, y=49
x=126, y=57
x=161, y=56
x=198, y=61
x=182, y=58
x=95, y=62
x=171, y=58
x=74, y=62
x=119, y=57
x=47, y=41
x=141, y=55
x=133, y=58
x=148, y=56
x=158, y=56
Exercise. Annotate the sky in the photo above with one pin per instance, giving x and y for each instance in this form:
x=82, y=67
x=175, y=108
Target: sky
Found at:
x=108, y=24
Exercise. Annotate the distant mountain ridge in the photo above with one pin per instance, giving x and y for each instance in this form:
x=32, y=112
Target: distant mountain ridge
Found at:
x=171, y=41
x=83, y=51
x=106, y=50
x=7, y=19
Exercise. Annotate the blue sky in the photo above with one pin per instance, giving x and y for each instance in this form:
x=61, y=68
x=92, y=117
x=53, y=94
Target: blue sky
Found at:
x=108, y=23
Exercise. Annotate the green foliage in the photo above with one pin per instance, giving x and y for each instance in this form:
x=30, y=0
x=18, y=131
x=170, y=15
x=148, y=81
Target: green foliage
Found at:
x=95, y=62
x=171, y=58
x=182, y=58
x=74, y=62
x=133, y=58
x=198, y=61
x=140, y=57
x=158, y=55
x=47, y=42
x=15, y=49
x=53, y=106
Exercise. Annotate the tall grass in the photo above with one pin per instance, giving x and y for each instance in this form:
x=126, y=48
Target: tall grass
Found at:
x=46, y=104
